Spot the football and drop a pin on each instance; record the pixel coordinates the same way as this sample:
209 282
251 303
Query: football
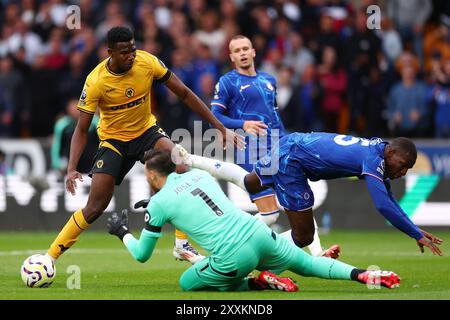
38 271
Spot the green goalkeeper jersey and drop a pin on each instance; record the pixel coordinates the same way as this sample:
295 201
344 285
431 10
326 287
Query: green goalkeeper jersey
194 203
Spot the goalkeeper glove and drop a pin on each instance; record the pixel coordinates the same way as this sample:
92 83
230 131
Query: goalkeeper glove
118 226
141 204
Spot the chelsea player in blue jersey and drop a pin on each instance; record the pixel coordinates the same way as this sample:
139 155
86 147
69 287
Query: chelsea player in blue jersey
316 156
245 98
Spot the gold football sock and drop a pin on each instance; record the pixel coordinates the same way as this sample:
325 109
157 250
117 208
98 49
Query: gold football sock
68 235
180 238
180 235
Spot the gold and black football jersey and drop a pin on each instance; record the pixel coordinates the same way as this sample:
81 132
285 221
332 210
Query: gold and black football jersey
123 100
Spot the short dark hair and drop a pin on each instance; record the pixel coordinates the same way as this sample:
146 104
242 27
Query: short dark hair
406 146
239 36
159 160
118 34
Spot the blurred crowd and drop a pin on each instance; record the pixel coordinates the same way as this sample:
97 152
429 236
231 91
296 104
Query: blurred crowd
334 72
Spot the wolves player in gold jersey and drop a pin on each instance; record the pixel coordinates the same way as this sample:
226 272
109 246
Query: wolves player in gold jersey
120 88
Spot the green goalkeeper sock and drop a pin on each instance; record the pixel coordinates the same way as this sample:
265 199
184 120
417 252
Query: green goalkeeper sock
321 267
331 268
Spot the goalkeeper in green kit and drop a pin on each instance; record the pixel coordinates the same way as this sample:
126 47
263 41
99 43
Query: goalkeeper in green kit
238 243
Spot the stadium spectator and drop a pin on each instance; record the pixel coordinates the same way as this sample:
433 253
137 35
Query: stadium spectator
62 136
43 22
10 91
437 43
406 58
90 10
333 80
44 98
281 38
230 28
56 57
409 17
209 33
327 37
273 61
339 10
297 56
114 16
285 90
162 14
85 42
264 24
154 38
72 80
58 10
439 94
310 95
288 99
179 26
207 82
374 113
362 50
310 15
260 45
28 11
229 11
11 15
204 62
406 105
23 37
30 29
391 42
195 11
175 115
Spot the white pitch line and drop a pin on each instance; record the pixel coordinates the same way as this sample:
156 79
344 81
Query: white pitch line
73 251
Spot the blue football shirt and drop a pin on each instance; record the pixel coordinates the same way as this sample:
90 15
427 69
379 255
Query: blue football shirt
316 156
239 98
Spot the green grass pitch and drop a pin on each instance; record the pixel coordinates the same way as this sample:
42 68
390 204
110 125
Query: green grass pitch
109 272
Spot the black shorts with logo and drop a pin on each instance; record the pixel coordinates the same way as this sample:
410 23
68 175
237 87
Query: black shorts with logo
118 165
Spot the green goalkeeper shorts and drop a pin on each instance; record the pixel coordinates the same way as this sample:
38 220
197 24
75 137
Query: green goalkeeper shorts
264 250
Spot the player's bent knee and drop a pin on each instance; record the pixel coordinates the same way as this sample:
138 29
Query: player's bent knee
183 285
303 240
252 183
92 216
190 281
308 240
268 219
186 283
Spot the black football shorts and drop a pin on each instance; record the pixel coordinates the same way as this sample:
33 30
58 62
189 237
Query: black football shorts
119 162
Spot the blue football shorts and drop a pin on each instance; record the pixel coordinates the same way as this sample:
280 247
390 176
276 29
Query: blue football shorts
283 172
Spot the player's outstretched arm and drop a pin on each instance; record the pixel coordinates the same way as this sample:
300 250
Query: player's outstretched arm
197 105
141 249
77 146
389 208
